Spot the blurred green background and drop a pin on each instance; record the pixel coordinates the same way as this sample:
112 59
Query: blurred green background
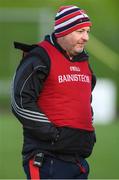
28 21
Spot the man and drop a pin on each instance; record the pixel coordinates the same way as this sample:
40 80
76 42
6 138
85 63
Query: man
52 99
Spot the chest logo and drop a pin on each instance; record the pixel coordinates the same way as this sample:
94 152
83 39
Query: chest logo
74 68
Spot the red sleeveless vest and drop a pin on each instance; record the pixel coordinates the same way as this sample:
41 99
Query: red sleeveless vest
65 97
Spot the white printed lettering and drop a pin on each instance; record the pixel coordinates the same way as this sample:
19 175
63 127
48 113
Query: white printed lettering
74 68
73 77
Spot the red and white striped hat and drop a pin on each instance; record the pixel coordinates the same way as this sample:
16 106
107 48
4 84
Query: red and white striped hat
69 19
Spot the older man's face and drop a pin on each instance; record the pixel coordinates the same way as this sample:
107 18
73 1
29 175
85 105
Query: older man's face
75 42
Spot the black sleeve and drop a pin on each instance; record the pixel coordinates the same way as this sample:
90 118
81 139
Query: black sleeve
93 81
27 84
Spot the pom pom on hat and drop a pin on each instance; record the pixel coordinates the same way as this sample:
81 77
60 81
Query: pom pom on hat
69 19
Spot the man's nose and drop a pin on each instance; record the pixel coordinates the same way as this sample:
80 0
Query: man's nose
85 36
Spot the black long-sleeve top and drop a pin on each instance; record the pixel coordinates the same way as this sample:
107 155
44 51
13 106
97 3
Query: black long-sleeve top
39 133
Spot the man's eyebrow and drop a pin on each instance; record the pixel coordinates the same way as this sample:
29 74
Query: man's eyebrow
82 29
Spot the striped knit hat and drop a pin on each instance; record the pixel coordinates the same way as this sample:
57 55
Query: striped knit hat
69 19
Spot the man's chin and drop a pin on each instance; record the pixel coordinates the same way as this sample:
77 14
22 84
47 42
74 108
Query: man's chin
80 50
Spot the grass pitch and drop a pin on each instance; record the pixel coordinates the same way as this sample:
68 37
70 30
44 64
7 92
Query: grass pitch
104 161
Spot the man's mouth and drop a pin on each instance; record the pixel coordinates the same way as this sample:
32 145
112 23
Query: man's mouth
81 44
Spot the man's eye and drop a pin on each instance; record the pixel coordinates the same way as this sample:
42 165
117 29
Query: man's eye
80 31
88 31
